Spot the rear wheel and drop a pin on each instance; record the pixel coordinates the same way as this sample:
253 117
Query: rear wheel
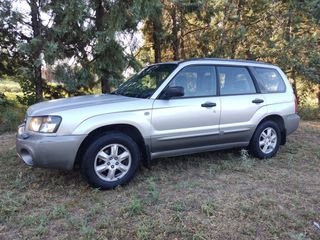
266 140
110 161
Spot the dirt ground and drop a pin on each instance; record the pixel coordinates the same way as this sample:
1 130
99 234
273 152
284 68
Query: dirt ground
218 195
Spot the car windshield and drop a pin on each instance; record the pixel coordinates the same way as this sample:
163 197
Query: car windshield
146 82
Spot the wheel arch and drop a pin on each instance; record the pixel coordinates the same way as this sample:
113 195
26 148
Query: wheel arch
127 129
278 119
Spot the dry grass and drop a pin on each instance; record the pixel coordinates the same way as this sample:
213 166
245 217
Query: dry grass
219 195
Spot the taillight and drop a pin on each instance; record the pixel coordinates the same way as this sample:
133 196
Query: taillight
295 104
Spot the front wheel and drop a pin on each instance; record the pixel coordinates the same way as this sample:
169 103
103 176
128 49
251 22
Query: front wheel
111 160
266 140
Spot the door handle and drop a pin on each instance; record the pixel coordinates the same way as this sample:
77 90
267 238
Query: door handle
257 101
208 104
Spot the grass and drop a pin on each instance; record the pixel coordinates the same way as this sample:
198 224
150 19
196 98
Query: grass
218 195
208 207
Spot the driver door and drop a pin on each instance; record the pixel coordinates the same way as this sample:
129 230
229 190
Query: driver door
190 121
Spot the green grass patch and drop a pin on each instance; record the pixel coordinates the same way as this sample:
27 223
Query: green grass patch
208 207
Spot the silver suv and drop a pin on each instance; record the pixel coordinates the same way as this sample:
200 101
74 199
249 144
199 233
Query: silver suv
165 110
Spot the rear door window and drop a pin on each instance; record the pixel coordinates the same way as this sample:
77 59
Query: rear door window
270 80
235 80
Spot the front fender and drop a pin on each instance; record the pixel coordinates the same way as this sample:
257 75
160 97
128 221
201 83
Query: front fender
138 119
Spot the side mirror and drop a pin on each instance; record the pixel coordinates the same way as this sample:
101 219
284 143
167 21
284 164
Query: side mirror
171 92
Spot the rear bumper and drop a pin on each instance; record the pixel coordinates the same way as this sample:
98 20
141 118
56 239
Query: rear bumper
291 123
48 151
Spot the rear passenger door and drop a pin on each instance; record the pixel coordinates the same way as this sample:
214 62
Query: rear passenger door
241 103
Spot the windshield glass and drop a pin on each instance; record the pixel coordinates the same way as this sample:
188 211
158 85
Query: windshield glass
146 82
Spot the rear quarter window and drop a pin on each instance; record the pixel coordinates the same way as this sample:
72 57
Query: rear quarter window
270 80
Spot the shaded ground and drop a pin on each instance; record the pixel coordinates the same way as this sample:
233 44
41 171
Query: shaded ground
219 195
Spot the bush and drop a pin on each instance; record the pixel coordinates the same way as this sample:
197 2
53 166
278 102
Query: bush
10 118
309 112
11 114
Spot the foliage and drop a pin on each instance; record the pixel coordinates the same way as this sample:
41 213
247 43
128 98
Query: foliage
285 33
95 27
82 43
9 37
11 114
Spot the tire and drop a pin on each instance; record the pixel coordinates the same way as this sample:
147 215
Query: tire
110 161
266 140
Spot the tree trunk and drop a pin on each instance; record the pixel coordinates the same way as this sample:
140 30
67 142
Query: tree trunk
236 25
100 12
36 28
105 86
157 29
294 84
182 27
175 40
288 30
318 95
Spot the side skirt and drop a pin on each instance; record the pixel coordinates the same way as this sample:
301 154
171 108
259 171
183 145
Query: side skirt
187 151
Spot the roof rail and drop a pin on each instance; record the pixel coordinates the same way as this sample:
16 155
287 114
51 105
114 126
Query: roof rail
224 59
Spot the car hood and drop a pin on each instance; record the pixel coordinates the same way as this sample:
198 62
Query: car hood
65 104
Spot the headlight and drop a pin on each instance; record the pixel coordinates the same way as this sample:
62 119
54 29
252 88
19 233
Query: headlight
46 124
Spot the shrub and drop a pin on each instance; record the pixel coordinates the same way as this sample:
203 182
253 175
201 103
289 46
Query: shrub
10 118
11 114
309 112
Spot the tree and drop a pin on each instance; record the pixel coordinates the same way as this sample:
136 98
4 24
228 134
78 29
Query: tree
88 31
78 39
9 38
36 25
281 32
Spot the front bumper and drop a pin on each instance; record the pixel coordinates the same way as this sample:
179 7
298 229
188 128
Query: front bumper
291 123
48 151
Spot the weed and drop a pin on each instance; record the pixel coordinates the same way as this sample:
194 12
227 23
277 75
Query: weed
178 206
246 209
135 207
95 209
199 235
208 207
298 236
246 160
142 232
59 211
309 214
274 230
213 169
41 230
29 220
104 222
87 231
177 217
187 185
226 165
153 193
